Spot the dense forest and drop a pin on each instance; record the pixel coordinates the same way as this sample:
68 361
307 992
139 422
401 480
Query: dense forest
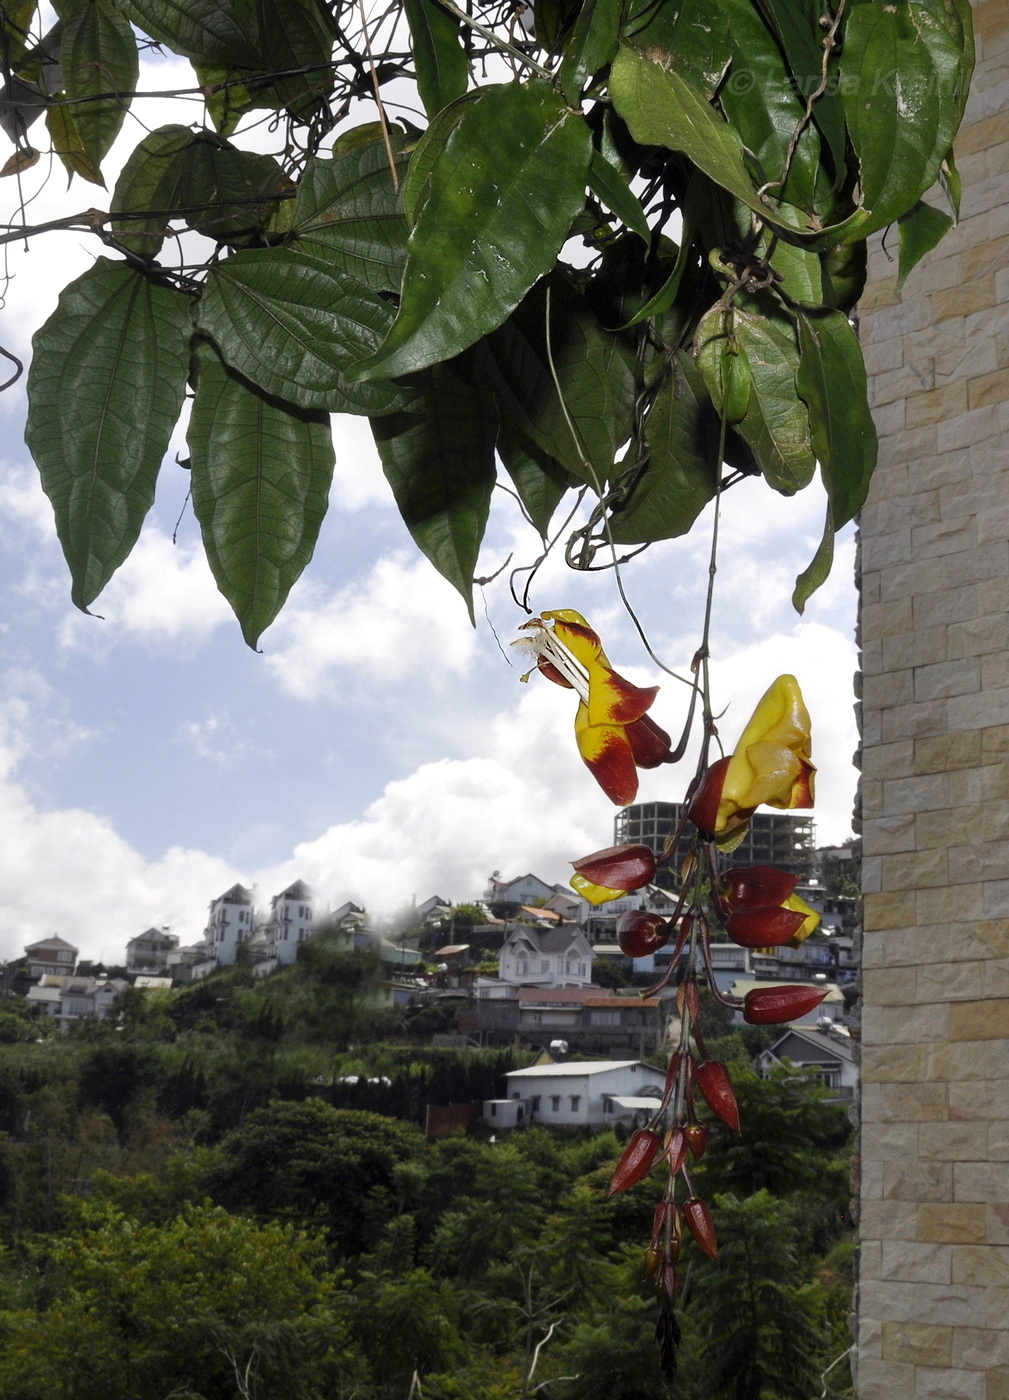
225 1191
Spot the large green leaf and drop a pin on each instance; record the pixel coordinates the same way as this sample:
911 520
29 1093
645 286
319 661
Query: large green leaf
661 108
760 99
502 196
610 186
441 61
579 409
691 36
98 54
69 145
15 31
902 74
776 423
539 480
292 35
801 36
207 31
919 232
427 150
261 472
439 460
197 176
817 571
831 380
293 324
349 211
106 384
680 475
592 44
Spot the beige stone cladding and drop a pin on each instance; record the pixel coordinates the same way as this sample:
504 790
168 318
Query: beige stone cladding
934 1231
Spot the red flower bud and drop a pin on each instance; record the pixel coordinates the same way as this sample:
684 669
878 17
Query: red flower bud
697 1139
676 1150
698 1218
650 745
763 928
758 886
635 1160
703 809
767 1006
639 933
618 867
667 1282
713 1082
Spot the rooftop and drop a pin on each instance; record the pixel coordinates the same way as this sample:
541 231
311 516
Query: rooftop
579 1067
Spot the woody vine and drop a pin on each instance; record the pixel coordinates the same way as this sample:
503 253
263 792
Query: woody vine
401 253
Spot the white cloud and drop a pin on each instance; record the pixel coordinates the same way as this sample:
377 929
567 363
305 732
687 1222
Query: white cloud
163 597
402 620
218 739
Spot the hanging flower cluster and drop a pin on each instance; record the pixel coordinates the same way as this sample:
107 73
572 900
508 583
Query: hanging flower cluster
756 907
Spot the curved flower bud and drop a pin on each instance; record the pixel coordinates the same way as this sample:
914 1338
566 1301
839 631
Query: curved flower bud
714 1083
639 934
625 867
701 1226
758 886
771 765
763 928
770 1006
635 1160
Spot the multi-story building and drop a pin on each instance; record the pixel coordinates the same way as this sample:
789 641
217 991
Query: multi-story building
51 955
148 952
551 957
290 922
229 924
773 838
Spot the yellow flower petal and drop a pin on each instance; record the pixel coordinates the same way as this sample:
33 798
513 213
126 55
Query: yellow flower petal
595 894
812 919
771 765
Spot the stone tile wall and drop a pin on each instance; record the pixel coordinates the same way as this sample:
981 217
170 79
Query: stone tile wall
934 1273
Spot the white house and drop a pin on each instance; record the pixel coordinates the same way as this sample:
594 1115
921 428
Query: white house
53 955
577 1094
229 923
76 997
522 890
546 957
290 922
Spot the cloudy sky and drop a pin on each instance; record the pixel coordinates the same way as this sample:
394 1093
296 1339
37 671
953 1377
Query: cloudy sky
378 747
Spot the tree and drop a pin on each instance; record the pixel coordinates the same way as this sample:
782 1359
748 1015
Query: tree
722 163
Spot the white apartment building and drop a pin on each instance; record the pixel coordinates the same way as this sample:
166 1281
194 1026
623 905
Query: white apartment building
229 923
290 922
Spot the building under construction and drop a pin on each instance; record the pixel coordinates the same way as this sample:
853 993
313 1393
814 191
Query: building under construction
773 838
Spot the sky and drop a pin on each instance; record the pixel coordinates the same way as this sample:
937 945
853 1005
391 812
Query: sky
377 746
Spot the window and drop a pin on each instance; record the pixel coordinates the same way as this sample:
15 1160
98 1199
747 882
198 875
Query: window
545 965
575 1102
493 1110
516 1094
536 1103
555 1102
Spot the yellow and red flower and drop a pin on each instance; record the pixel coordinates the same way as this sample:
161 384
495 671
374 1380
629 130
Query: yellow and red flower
615 735
771 765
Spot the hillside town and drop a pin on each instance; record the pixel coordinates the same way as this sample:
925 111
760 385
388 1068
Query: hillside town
526 963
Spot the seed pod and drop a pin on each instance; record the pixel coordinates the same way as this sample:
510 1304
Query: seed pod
625 867
676 1150
714 1083
635 1161
768 1006
701 1226
763 928
697 1139
703 809
756 886
639 934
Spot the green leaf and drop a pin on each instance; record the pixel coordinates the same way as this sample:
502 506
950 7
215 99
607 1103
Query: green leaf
539 480
662 109
439 460
801 271
818 569
691 36
776 424
106 384
680 475
98 54
759 98
592 44
902 74
611 188
441 61
428 149
293 324
349 212
843 271
293 34
801 37
207 31
952 185
69 146
15 31
220 191
919 232
227 98
831 381
261 472
594 389
503 192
